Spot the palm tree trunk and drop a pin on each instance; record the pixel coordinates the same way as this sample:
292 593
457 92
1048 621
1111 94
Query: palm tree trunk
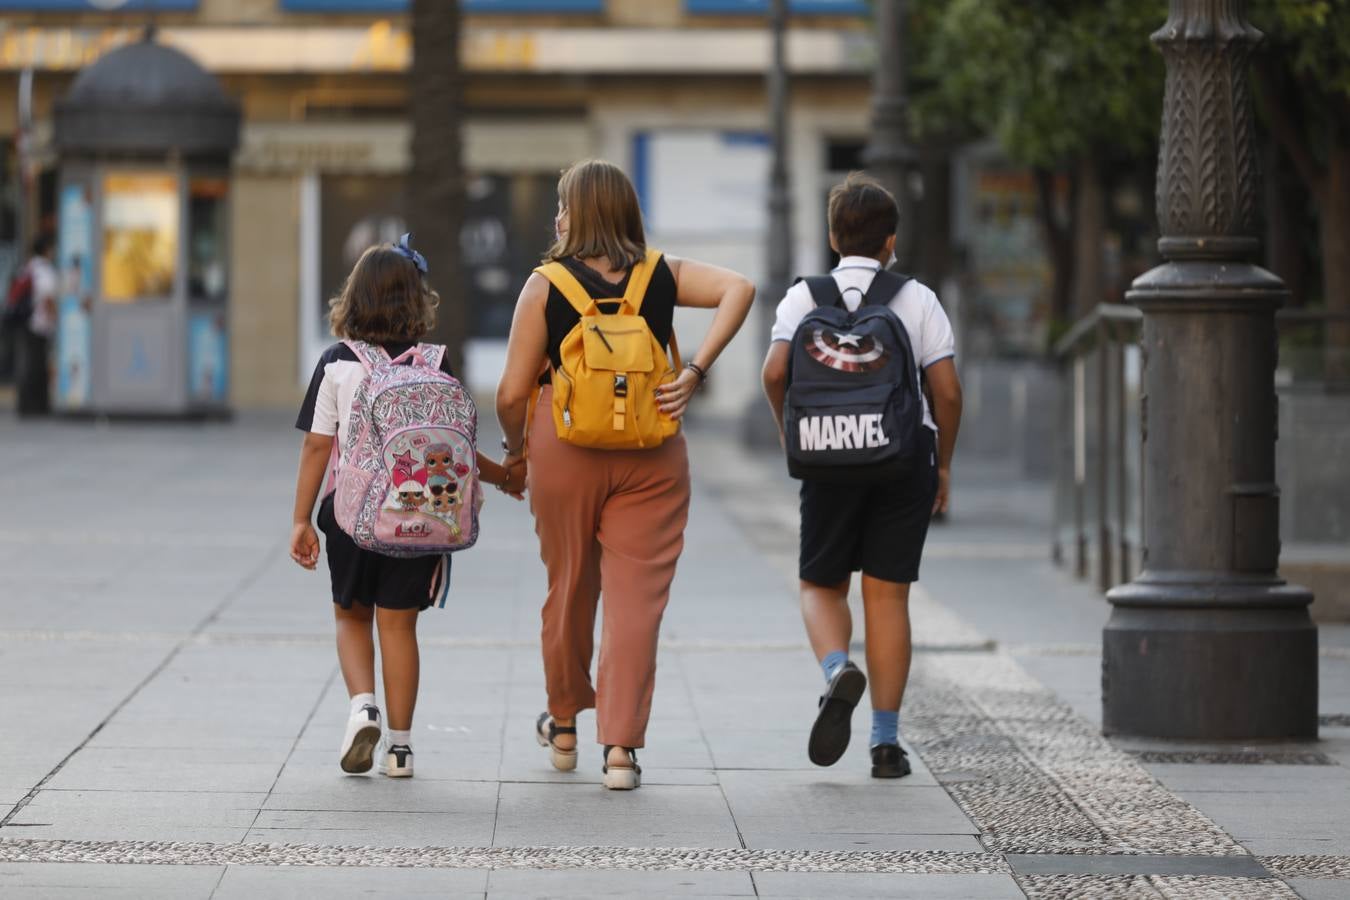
436 181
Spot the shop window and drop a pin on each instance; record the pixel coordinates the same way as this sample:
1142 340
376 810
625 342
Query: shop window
140 236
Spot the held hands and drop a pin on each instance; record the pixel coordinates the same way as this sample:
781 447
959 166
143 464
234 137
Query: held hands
304 545
516 470
673 398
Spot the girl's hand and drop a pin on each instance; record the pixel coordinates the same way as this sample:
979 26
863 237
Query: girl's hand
514 485
673 398
304 545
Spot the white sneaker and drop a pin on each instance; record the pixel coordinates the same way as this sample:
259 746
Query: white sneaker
358 744
396 760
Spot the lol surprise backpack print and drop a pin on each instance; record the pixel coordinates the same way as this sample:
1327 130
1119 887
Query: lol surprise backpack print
407 483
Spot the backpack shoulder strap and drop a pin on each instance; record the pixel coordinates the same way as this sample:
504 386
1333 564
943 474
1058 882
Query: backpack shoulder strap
640 279
433 354
824 290
370 355
884 287
567 285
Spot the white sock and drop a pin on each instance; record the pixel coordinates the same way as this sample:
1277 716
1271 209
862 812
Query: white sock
359 701
400 738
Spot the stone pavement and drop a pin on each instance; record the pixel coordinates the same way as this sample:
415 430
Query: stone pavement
175 709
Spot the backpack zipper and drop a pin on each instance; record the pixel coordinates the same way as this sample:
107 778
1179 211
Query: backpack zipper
567 403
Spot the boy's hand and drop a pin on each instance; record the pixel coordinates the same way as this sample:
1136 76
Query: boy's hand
944 485
304 545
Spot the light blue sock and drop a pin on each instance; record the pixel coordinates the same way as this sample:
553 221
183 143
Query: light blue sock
832 661
885 727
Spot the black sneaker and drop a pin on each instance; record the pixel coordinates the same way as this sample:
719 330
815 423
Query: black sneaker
834 721
889 761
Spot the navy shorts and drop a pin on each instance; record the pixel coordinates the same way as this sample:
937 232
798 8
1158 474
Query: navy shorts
878 529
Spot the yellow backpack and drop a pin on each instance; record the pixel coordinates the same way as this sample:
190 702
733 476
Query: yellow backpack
604 393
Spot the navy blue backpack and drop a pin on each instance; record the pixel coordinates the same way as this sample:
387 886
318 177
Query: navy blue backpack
854 408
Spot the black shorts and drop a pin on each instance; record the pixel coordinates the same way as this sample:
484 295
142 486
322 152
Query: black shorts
876 528
361 576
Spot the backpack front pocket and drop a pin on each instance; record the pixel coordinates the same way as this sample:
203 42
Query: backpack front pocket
832 427
617 344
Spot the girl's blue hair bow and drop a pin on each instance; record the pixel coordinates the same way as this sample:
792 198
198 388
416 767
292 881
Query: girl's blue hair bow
404 248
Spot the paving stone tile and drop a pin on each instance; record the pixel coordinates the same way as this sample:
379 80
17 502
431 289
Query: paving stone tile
343 882
1304 815
374 829
801 804
49 881
390 795
859 885
653 816
1320 888
1254 779
105 769
757 838
524 884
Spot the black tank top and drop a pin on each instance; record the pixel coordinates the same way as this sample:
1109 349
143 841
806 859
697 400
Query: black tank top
658 308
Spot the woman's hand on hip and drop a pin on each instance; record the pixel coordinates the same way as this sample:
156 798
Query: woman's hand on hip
673 398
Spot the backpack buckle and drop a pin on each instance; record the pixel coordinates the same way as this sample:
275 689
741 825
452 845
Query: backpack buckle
620 385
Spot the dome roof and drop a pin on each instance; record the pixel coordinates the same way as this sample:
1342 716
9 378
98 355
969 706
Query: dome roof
150 98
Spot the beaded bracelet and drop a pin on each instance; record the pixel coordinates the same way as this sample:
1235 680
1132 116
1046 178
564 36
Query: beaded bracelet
697 370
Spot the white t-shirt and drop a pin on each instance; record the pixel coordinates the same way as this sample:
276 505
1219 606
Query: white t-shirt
327 407
930 332
45 285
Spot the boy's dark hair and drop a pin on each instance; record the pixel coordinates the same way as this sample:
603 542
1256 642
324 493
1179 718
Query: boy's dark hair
863 214
42 245
385 300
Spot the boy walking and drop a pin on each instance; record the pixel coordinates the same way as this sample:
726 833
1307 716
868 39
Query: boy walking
874 455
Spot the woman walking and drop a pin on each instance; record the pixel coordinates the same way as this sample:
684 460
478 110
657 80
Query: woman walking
608 469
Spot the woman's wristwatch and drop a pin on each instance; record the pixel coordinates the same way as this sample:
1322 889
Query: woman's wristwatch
506 448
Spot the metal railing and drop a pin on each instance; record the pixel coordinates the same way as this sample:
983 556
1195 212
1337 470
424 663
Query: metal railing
1096 474
1099 474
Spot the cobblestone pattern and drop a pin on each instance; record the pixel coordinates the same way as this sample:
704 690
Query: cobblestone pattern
928 862
1034 776
1234 757
1309 867
1152 887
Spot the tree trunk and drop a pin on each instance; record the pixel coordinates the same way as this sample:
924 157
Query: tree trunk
1089 238
1286 214
1058 237
436 181
1335 226
935 216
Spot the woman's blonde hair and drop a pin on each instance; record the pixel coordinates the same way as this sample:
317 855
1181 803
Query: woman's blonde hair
604 217
385 300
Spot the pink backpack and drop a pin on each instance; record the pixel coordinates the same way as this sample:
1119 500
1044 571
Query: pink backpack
407 480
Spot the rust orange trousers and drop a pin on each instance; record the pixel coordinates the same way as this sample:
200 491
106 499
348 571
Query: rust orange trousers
611 527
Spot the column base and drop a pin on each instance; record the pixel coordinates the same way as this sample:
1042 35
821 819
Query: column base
1210 661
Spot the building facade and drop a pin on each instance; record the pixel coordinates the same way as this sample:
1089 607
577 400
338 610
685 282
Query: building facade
673 90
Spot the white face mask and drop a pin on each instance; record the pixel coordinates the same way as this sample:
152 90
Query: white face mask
892 261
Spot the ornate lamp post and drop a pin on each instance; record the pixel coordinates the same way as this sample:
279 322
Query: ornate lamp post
888 155
780 200
1209 642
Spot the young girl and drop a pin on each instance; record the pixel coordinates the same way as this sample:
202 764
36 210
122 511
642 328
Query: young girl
386 301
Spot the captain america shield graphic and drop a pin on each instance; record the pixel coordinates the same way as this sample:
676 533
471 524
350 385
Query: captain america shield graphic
846 352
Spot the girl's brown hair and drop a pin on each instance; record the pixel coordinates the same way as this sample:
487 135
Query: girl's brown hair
604 218
385 300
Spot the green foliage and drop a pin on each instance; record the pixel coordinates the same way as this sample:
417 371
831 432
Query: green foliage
1051 80
1311 38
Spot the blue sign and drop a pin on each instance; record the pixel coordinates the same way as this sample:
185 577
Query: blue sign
761 7
473 6
100 5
